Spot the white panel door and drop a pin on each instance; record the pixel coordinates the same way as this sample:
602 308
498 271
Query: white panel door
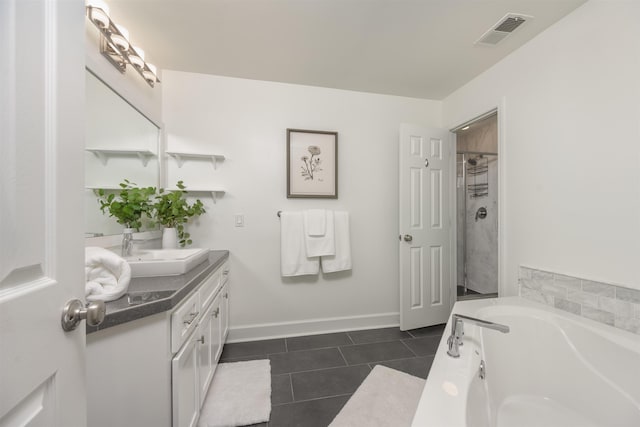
425 226
42 379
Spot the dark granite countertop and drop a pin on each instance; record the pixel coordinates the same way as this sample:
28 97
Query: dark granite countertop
151 295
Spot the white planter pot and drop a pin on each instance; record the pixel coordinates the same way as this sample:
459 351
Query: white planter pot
169 238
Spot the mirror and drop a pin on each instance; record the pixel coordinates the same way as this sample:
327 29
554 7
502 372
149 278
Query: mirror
120 142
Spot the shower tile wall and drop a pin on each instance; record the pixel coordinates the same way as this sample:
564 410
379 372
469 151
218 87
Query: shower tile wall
481 235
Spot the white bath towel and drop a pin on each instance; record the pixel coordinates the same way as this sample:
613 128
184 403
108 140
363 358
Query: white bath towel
107 275
342 258
315 222
317 244
293 255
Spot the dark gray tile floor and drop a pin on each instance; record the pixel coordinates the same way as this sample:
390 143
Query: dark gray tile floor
312 377
462 292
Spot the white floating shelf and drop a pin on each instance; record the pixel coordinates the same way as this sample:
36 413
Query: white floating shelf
181 157
215 192
104 153
104 187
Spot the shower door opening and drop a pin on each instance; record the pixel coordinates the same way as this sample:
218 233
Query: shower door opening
477 224
477 209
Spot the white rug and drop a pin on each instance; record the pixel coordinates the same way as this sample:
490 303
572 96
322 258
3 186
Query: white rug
240 394
386 398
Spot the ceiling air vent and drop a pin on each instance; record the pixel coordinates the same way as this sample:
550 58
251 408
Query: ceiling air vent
505 26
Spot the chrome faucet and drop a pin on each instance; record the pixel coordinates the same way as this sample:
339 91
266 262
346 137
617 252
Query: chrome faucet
457 331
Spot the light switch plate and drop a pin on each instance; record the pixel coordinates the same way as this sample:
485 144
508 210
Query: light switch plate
239 220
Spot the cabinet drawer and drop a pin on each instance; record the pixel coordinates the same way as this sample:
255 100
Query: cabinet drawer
184 320
209 288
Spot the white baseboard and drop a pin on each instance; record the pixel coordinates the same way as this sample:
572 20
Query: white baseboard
312 327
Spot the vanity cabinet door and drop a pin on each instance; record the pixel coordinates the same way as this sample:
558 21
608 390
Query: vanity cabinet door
206 342
224 315
216 340
185 388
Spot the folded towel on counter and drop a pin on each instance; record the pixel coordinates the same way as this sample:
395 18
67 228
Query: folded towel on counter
107 275
293 254
319 236
342 258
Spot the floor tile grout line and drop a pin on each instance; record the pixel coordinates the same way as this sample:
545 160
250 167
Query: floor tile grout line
293 395
412 352
397 360
329 367
315 398
342 355
375 342
317 348
350 339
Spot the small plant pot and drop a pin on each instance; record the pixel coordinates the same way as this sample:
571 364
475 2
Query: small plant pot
169 238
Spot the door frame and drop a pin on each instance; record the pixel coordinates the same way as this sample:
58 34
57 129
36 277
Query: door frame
500 110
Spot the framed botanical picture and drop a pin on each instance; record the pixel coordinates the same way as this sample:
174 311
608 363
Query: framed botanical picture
312 164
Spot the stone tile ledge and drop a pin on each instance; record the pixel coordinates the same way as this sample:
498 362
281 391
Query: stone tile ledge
614 305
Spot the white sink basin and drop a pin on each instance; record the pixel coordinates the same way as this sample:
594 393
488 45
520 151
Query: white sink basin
165 262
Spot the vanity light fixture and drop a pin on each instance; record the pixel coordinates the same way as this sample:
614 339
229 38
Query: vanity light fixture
137 57
115 44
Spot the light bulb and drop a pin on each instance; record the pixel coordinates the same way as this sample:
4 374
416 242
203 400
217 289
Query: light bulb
136 57
122 42
99 13
150 76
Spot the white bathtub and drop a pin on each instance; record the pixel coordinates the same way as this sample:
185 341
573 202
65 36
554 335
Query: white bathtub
552 369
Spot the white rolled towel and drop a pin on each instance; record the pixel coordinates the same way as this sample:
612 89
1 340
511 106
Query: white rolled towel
107 275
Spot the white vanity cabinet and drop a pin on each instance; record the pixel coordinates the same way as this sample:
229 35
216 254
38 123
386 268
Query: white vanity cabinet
194 364
156 370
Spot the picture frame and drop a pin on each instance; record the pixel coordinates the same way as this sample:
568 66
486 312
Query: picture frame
312 164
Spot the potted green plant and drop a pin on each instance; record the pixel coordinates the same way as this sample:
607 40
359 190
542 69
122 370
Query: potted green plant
172 211
128 207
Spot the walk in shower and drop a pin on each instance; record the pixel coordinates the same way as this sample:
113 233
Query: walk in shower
477 209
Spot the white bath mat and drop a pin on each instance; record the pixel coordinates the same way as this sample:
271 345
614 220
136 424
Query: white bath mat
240 394
386 398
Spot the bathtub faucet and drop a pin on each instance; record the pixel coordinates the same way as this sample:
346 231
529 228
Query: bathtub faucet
457 331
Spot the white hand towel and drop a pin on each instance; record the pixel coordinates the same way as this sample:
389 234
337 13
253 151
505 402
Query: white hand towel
316 244
342 258
293 256
107 275
315 222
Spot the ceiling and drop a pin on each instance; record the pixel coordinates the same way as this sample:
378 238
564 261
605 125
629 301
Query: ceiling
415 48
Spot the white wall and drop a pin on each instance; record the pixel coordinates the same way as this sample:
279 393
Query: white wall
571 133
246 121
